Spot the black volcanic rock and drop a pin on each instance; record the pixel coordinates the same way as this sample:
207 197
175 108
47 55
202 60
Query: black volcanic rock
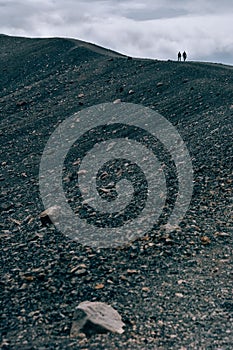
172 291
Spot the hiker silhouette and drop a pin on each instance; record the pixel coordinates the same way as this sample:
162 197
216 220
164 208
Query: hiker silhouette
179 56
184 56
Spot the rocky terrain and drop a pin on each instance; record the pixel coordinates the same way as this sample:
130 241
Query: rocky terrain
173 291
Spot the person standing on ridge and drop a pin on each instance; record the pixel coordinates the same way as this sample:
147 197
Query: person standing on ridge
184 56
179 56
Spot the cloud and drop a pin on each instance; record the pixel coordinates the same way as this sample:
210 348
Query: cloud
142 28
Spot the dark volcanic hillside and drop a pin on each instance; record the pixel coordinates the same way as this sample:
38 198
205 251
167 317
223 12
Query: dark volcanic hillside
173 292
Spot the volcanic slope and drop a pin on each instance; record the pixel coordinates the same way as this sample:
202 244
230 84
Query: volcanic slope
173 291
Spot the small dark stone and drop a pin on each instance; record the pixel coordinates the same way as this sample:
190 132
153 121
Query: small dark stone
6 206
21 103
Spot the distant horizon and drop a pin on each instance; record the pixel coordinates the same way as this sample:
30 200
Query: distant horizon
138 28
119 52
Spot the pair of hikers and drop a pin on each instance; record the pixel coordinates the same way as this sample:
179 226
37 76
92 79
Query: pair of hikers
184 56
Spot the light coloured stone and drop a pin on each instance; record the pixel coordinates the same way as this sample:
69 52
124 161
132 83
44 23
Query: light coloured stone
50 215
117 101
99 314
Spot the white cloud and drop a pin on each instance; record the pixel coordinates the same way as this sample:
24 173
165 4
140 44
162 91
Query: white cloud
143 28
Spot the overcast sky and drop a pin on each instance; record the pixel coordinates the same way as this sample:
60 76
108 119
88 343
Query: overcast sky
142 28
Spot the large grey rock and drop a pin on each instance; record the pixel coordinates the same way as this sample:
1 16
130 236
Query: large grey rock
50 215
99 314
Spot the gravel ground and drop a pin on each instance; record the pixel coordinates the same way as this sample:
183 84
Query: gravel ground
173 291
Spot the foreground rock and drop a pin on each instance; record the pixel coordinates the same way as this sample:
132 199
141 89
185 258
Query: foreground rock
50 215
100 315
